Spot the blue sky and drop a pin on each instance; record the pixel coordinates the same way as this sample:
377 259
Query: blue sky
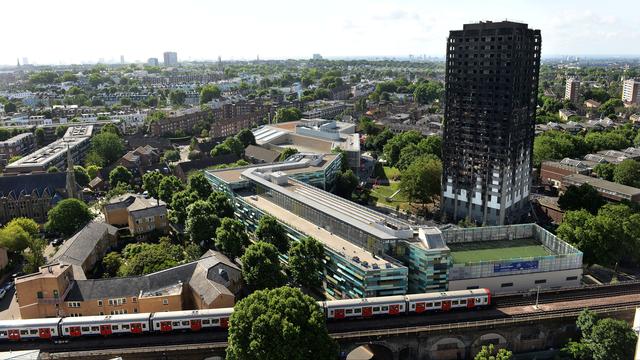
66 31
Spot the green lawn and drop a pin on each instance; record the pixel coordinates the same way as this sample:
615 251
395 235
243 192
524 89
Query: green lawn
391 173
381 193
496 250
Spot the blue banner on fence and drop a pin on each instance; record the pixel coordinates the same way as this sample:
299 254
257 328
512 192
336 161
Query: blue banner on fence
516 265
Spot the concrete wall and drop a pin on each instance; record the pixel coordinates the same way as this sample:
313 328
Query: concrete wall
521 282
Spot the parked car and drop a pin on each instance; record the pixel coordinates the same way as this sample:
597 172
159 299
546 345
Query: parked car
57 242
8 286
3 292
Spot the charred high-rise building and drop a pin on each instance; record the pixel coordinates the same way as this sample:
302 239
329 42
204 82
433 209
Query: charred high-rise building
491 90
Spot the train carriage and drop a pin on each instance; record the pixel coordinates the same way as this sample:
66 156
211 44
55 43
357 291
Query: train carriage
367 307
105 325
448 300
17 330
191 319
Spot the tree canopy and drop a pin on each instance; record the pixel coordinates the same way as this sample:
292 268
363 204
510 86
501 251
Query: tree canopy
108 146
200 185
270 231
151 183
201 223
287 114
420 182
209 92
119 175
627 173
169 185
68 216
261 267
246 137
305 263
490 353
584 196
231 237
288 151
222 206
280 323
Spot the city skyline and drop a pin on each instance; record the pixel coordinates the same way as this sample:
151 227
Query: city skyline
356 29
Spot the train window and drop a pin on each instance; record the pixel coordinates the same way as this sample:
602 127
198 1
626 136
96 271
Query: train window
206 322
85 328
478 300
3 333
375 308
437 304
454 302
215 321
540 281
176 323
429 305
24 332
114 327
413 306
331 312
185 323
95 328
66 330
125 327
385 308
33 332
349 311
463 302
357 311
144 326
506 284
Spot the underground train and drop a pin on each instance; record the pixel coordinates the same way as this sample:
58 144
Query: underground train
195 320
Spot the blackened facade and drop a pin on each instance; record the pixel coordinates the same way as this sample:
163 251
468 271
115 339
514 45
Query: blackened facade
491 90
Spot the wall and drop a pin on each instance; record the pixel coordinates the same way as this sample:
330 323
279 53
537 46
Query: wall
521 282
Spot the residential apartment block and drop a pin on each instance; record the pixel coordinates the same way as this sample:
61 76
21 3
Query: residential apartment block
631 91
138 213
572 90
19 145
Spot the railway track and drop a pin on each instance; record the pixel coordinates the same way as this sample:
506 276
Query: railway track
582 293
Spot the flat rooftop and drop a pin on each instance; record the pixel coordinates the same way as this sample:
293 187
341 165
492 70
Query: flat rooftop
46 154
494 250
579 179
332 241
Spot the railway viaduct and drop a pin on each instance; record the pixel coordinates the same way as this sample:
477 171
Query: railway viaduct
463 340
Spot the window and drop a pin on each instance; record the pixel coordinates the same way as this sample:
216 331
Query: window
206 322
125 327
165 301
540 281
95 328
506 285
429 305
454 302
33 332
85 328
385 308
463 302
144 326
55 294
376 308
215 321
472 287
185 323
135 310
73 304
349 311
114 327
99 302
3 333
101 313
437 304
39 295
134 299
571 278
176 323
357 311
24 332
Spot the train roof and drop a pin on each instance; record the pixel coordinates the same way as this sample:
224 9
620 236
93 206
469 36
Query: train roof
105 319
364 301
447 294
186 314
12 324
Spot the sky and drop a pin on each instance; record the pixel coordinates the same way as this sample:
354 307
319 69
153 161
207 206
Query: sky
74 31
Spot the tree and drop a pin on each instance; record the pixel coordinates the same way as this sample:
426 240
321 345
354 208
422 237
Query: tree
28 225
209 92
305 263
119 174
34 255
201 223
14 238
93 171
609 107
261 267
427 92
171 155
605 171
177 97
108 146
179 203
288 151
346 184
145 258
199 184
81 175
420 182
169 185
222 206
287 114
151 183
584 196
612 340
246 137
556 145
281 323
93 159
627 173
111 263
231 237
490 353
110 128
14 158
68 216
39 134
60 131
10 107
270 231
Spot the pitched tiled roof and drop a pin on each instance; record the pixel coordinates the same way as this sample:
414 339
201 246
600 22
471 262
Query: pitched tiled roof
78 248
29 183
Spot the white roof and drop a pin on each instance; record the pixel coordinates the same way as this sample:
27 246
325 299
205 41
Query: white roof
12 324
187 314
378 301
82 320
447 294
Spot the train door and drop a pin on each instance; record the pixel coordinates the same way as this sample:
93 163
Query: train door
105 330
367 311
420 307
44 333
224 322
13 334
75 331
136 328
446 305
338 314
165 326
471 303
196 324
394 309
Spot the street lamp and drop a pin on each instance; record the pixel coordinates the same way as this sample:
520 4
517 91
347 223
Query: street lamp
537 297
